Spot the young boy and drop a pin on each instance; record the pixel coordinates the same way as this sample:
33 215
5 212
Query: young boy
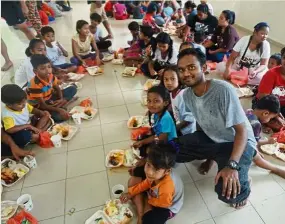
134 28
55 52
16 116
199 38
149 20
164 188
138 12
103 43
274 61
43 90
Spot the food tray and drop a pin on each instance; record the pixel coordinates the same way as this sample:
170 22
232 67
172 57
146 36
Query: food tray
77 84
269 149
118 61
75 76
107 58
79 109
94 70
244 92
139 121
150 83
108 164
134 154
97 215
129 72
280 152
4 205
72 131
14 167
122 209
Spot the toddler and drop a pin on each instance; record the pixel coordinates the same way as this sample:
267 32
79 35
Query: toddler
274 61
134 28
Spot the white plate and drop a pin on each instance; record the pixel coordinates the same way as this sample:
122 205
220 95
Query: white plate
139 120
77 84
129 72
16 166
244 92
72 131
133 157
269 149
75 76
97 215
5 204
84 116
94 70
107 58
118 61
280 153
107 163
150 83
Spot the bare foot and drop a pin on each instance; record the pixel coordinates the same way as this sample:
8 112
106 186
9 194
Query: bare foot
6 66
205 166
279 172
240 205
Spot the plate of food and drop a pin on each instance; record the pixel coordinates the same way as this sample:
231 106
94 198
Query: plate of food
8 209
131 157
280 152
135 122
244 92
12 172
117 212
65 130
108 57
150 83
115 158
117 61
269 149
87 113
144 100
98 217
129 72
95 70
75 76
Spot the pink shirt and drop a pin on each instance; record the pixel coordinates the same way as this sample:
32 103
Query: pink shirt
119 9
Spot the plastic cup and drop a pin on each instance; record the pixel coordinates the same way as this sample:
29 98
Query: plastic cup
30 161
56 140
117 190
26 201
76 118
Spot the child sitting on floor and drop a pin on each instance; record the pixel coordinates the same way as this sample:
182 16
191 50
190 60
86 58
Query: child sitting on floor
81 45
149 20
109 8
16 116
185 121
274 61
43 90
199 38
180 20
103 43
138 12
185 45
134 28
164 188
55 52
120 11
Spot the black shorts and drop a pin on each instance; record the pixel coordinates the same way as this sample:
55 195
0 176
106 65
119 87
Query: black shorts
5 150
157 216
11 11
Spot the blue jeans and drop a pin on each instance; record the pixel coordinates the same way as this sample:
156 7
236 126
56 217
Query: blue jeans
198 146
68 94
218 57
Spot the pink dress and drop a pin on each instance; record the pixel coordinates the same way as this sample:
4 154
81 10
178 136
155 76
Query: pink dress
120 11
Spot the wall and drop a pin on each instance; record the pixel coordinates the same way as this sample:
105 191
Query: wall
249 13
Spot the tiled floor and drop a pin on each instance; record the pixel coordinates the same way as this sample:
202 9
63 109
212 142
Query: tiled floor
74 176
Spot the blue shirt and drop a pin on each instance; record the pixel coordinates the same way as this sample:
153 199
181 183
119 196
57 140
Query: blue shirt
164 125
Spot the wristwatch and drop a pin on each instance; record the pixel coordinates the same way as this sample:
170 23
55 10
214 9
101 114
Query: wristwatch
233 165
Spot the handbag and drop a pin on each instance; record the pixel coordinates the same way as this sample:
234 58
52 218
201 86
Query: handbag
239 78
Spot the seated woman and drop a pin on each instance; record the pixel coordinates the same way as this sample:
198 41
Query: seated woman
224 38
163 54
252 52
273 82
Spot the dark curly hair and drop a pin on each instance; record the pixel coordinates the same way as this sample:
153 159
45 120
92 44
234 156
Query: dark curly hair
164 38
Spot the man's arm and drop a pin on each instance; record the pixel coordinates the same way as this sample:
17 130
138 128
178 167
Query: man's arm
240 142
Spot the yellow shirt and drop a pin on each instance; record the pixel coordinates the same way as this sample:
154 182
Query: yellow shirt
11 118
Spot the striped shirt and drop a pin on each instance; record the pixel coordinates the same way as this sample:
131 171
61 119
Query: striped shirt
39 88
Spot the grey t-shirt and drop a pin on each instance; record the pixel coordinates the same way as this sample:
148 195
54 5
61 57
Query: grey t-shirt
218 111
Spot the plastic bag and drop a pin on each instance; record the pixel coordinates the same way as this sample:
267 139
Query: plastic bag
44 140
212 65
20 218
280 135
136 133
239 78
86 103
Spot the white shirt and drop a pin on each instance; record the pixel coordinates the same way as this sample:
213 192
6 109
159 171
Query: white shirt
98 34
172 60
24 73
211 9
55 55
180 113
252 57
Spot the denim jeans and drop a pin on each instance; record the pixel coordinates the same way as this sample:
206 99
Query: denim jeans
198 146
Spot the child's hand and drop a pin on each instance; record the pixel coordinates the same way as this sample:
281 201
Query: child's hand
148 50
34 129
125 197
45 113
272 140
267 130
160 72
64 114
138 144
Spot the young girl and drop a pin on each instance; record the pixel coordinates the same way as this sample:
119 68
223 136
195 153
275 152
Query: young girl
26 71
135 54
162 55
149 20
120 11
163 186
185 121
81 45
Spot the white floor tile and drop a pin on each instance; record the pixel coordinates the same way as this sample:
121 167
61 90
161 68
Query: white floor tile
245 215
193 169
87 191
115 132
110 100
133 96
10 195
210 221
85 161
57 220
52 167
117 145
183 172
48 199
17 186
107 114
80 216
136 109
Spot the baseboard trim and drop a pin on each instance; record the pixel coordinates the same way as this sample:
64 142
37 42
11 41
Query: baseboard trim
276 43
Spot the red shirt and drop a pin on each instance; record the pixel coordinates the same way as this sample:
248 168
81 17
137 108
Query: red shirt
273 83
